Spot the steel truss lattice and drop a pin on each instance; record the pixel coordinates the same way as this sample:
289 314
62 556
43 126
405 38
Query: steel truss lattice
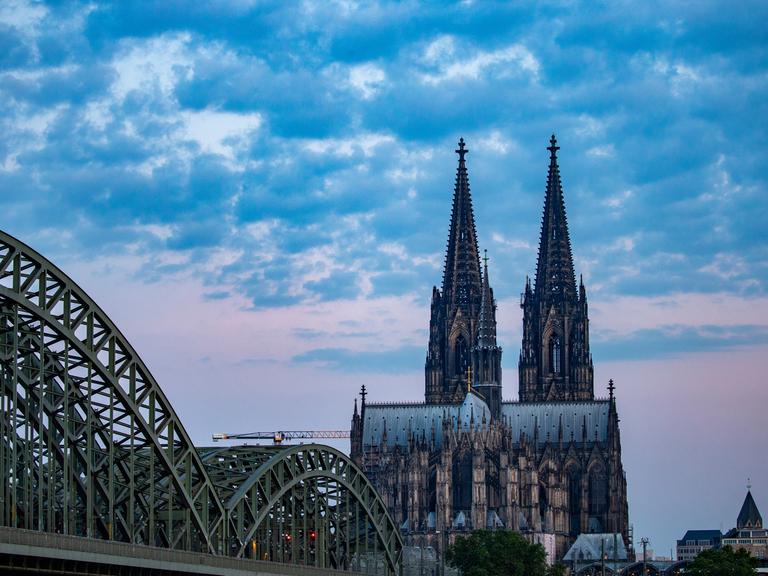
90 446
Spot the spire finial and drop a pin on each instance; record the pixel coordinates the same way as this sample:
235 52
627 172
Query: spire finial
749 484
461 150
485 258
363 394
553 147
611 388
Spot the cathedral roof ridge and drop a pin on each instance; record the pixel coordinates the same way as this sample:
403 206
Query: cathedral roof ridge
405 404
555 402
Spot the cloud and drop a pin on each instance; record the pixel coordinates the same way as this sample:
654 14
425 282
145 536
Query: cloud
286 172
305 163
441 54
386 361
220 132
606 151
726 266
368 79
627 314
674 341
22 15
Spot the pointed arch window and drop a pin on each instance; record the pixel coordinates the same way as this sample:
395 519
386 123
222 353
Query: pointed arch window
598 492
460 356
574 500
555 355
543 505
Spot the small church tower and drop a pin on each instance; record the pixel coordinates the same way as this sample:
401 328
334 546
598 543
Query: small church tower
749 515
555 362
486 357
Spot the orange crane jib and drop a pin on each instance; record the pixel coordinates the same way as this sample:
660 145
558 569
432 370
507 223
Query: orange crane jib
281 436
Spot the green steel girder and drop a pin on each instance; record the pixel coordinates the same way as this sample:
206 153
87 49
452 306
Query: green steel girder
122 394
250 504
90 446
56 430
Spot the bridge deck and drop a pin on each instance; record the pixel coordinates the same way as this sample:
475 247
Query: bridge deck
44 553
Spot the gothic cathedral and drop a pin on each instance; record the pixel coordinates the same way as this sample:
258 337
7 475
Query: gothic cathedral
548 465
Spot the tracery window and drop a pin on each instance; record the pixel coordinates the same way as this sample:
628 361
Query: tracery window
574 500
462 482
598 492
554 354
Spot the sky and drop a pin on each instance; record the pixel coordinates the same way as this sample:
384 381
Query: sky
258 194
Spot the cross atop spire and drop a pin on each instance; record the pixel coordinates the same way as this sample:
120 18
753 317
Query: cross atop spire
461 150
553 147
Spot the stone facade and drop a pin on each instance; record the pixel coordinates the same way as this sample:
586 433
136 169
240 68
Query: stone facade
549 463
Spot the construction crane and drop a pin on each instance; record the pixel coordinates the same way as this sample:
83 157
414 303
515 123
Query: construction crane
281 436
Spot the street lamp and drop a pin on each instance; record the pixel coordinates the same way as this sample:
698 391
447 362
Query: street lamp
644 541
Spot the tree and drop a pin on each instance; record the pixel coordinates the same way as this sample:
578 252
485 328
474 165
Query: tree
497 553
556 570
723 562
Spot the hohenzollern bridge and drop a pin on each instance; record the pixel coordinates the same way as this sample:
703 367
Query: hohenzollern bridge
100 476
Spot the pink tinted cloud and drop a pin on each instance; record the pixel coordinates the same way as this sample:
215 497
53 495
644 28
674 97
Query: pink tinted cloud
692 427
628 314
693 430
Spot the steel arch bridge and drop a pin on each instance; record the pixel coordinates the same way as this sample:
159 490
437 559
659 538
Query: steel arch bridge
91 446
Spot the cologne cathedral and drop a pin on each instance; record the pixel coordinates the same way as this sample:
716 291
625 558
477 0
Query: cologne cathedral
548 464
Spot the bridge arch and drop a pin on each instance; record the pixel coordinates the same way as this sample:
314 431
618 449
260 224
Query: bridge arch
91 446
91 421
307 504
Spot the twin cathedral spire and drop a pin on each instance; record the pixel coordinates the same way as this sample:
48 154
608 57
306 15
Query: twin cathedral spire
555 363
464 304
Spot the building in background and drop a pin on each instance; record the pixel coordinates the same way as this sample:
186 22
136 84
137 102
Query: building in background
749 533
549 463
696 541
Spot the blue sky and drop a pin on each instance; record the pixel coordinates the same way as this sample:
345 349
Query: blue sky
258 194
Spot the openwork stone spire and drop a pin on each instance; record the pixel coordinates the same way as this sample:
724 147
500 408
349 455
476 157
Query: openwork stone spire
555 362
461 277
486 358
486 333
455 311
555 279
